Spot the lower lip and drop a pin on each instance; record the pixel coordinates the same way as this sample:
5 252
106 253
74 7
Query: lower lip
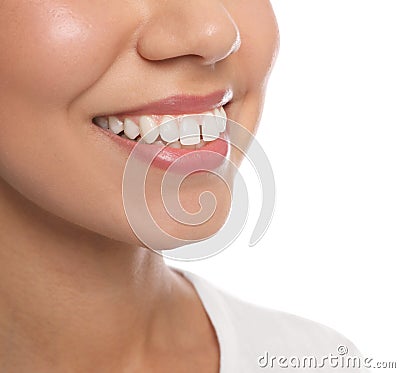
208 157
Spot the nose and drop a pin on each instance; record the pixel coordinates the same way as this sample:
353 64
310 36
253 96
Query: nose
177 28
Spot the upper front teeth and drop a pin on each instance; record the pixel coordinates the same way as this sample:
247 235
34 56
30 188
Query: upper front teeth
169 129
187 128
212 127
189 131
148 129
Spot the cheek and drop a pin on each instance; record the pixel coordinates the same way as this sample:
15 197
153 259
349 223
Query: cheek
260 41
55 51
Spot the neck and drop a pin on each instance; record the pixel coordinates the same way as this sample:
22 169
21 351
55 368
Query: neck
71 297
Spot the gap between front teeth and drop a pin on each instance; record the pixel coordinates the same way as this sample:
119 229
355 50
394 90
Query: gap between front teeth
175 131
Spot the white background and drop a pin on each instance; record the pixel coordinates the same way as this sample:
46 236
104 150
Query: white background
331 129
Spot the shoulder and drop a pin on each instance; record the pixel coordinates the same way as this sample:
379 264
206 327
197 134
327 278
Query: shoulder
262 333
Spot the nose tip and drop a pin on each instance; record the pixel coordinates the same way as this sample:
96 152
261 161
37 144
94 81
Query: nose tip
198 28
219 41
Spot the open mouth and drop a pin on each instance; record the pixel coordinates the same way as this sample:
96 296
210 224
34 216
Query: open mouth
188 131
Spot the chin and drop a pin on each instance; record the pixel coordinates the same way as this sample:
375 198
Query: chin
196 218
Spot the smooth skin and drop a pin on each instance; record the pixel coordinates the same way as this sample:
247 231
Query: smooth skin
78 293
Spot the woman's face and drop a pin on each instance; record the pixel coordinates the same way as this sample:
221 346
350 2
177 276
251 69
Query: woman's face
65 62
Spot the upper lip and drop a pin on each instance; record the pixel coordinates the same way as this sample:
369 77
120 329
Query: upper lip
181 104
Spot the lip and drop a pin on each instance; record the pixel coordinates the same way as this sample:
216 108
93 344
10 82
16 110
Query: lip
178 105
208 157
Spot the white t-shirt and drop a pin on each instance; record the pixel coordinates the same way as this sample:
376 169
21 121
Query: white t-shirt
257 339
